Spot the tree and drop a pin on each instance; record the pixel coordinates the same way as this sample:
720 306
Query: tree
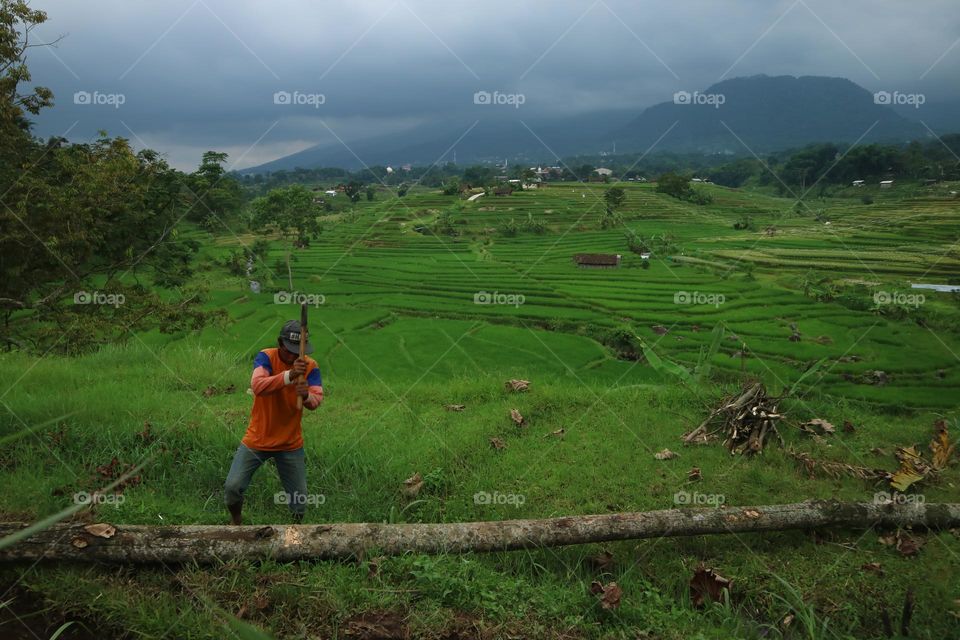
402 189
674 185
451 187
289 210
212 195
371 193
615 197
80 223
352 190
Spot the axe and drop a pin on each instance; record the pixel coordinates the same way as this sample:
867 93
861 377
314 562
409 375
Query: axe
303 345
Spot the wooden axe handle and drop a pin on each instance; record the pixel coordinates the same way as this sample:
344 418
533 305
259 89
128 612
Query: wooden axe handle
303 345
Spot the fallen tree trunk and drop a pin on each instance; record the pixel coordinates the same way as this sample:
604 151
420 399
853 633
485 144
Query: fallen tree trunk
212 543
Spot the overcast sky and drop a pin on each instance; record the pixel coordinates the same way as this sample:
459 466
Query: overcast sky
194 75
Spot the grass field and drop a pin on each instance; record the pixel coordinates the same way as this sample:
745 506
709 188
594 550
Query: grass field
400 334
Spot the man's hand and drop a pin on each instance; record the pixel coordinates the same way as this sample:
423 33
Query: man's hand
303 390
299 369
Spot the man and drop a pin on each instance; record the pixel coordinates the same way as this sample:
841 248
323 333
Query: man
279 378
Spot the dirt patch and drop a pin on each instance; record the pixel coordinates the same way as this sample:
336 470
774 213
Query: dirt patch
376 625
24 615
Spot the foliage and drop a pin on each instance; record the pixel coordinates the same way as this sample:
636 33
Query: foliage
288 210
212 196
451 187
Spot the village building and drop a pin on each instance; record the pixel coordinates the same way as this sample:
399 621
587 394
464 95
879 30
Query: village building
597 260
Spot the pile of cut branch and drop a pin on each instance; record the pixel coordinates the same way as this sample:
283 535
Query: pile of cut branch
747 420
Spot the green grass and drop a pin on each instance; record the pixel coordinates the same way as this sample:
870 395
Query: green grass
400 336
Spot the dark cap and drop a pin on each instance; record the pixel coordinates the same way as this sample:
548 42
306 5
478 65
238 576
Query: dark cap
290 335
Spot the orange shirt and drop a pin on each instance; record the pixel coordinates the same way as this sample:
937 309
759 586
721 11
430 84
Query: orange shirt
275 419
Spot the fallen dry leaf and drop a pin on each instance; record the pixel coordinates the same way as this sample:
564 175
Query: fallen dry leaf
559 433
707 585
101 530
455 407
695 474
909 545
665 454
601 561
498 443
516 417
609 594
412 485
818 426
872 566
659 329
848 427
941 449
517 385
912 469
79 543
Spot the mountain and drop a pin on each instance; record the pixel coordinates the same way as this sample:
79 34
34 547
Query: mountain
756 114
941 117
767 113
516 137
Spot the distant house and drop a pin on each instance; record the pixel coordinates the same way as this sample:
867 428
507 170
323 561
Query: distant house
886 184
502 191
603 171
858 183
597 260
330 192
644 255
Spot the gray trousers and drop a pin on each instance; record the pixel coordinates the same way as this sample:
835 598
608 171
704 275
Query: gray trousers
291 467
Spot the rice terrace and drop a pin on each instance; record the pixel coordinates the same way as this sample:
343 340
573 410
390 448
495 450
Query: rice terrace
707 390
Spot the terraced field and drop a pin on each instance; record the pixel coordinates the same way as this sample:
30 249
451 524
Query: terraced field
382 280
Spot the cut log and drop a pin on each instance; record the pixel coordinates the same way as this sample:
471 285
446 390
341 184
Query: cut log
213 543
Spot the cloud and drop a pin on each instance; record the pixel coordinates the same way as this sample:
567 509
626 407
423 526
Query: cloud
199 74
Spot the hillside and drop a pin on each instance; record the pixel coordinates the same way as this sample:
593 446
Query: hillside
401 335
767 113
770 114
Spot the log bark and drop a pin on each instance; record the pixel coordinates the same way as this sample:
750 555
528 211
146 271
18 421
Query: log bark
214 543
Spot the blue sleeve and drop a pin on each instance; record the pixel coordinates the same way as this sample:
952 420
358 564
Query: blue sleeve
313 378
263 360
